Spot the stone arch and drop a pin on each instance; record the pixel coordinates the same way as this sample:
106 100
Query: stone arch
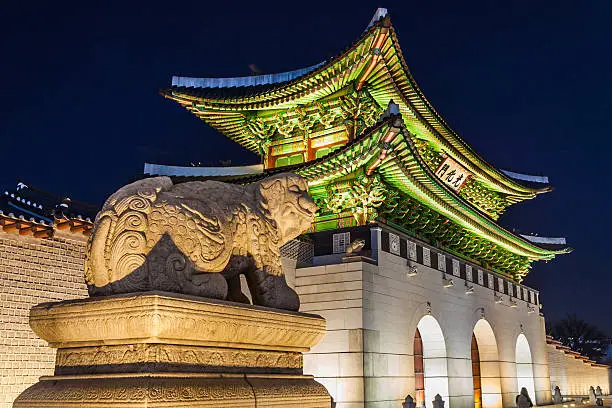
524 366
435 366
488 365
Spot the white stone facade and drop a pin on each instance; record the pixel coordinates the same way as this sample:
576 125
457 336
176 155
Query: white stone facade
373 310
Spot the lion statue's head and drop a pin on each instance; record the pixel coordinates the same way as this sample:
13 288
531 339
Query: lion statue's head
285 197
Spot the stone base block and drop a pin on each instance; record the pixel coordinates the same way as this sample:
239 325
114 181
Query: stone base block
163 390
162 350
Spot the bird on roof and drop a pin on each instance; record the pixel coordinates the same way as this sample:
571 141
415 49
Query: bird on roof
255 70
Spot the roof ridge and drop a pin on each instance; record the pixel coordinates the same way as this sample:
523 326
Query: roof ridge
21 185
284 77
242 81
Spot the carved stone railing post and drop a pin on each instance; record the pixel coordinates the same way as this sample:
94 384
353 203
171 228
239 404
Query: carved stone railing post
438 402
409 402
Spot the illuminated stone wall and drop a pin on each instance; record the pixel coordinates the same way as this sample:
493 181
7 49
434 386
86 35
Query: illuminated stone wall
572 375
373 311
336 292
33 271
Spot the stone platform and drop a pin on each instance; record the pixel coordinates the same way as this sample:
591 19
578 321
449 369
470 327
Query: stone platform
162 349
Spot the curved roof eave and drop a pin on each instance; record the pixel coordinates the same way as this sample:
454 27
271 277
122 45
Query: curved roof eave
243 81
492 176
278 88
451 134
481 218
396 120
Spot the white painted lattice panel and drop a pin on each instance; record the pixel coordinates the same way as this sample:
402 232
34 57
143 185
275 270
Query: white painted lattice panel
468 273
456 267
341 241
442 262
426 257
394 244
412 250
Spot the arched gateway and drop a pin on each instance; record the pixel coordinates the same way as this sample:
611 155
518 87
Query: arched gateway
485 367
524 366
430 365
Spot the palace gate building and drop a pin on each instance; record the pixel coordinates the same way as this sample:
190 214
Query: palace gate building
419 283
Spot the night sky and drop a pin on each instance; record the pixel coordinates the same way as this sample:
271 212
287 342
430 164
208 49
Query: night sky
527 83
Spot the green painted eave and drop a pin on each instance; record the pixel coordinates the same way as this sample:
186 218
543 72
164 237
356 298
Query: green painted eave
404 169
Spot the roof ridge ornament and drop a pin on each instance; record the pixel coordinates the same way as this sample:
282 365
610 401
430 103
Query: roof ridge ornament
380 13
526 177
545 240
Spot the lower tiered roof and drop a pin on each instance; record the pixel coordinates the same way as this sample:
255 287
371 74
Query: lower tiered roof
381 175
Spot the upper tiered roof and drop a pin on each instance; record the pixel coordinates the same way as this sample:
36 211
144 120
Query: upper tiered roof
374 62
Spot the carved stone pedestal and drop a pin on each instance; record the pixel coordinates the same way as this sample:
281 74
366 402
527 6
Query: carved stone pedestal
158 349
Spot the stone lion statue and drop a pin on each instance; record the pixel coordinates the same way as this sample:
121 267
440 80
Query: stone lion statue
198 237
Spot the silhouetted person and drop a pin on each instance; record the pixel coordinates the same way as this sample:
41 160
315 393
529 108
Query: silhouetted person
523 400
557 398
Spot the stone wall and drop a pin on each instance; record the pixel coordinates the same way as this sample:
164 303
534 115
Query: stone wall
339 362
573 375
33 271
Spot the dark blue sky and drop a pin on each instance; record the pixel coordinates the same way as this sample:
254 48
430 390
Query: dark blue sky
527 83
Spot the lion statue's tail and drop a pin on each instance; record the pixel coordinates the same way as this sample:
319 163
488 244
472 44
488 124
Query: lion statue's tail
117 245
